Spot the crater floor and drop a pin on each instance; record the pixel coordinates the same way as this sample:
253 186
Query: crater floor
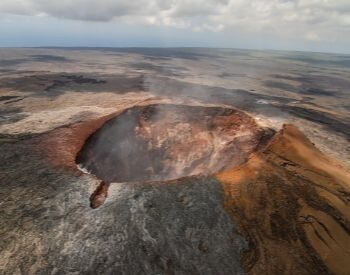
165 141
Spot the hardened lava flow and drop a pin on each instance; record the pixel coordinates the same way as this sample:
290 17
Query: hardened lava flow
165 142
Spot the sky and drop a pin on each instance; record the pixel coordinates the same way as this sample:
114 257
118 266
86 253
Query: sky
305 25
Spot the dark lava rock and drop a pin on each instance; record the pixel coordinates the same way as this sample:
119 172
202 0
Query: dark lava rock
48 227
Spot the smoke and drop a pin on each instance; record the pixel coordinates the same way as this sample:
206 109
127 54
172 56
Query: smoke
268 110
162 142
131 148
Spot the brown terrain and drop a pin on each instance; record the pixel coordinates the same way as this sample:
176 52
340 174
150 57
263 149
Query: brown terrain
292 203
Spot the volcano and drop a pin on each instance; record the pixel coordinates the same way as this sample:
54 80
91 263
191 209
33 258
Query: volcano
288 201
284 194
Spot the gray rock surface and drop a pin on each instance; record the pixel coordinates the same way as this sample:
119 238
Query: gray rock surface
48 227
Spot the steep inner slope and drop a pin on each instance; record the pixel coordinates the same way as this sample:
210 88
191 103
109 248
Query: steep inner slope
163 142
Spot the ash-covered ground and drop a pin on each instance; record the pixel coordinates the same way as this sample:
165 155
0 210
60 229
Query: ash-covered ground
53 99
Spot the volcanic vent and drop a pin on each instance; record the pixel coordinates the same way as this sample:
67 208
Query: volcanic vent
163 142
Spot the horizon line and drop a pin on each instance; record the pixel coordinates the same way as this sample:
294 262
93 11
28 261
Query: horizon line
170 47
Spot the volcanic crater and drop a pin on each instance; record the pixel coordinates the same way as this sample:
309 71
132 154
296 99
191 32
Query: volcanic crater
163 142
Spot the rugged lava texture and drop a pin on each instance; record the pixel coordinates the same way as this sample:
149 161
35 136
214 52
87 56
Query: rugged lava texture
162 142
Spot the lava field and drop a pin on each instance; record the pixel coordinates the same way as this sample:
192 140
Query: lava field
173 161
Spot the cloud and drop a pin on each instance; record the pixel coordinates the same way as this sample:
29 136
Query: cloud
311 20
312 36
89 10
